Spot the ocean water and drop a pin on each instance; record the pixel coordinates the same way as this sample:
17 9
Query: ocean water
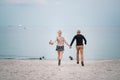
20 57
20 41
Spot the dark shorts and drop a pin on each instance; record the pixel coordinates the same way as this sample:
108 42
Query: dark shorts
59 48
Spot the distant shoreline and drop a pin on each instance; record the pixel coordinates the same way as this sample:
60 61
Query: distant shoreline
53 59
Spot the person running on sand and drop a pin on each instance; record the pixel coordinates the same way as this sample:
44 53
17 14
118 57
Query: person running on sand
79 46
60 45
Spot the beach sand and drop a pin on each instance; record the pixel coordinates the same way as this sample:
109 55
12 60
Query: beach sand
49 70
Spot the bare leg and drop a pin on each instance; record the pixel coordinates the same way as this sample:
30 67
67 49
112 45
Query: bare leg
59 57
61 53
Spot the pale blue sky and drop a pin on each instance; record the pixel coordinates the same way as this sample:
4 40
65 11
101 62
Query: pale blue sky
60 12
26 27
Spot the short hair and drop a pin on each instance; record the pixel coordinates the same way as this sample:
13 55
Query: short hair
60 31
78 31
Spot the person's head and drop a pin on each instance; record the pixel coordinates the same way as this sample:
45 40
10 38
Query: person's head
78 31
59 33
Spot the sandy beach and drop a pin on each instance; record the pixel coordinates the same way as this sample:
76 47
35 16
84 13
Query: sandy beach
11 69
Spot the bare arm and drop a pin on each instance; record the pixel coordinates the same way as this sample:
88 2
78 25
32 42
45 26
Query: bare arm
66 43
55 41
52 42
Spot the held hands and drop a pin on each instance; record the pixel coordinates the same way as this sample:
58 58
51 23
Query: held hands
70 47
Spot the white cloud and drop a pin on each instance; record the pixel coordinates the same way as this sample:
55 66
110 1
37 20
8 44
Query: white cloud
26 1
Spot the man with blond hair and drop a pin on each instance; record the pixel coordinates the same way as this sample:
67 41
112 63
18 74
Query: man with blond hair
79 46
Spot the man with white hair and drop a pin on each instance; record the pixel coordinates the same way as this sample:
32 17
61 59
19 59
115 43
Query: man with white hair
79 46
